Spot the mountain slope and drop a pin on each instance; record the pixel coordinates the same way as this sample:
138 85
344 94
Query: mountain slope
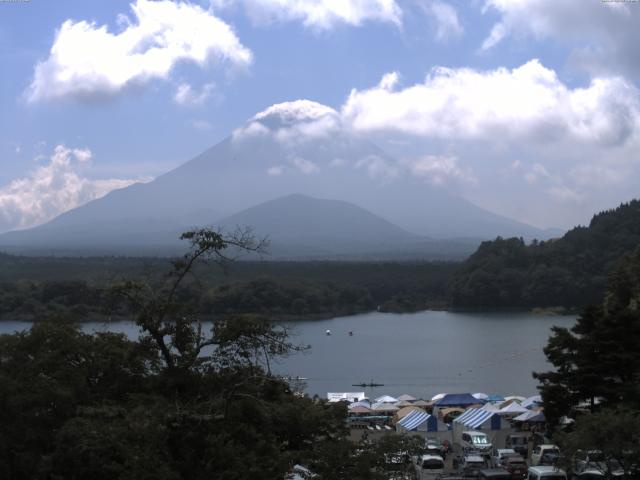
293 147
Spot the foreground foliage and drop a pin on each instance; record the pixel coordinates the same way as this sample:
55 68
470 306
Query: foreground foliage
597 361
181 402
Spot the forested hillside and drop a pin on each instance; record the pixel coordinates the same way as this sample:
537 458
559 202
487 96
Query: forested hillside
570 271
33 288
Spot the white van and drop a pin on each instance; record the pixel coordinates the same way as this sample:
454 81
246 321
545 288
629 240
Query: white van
428 467
546 473
476 441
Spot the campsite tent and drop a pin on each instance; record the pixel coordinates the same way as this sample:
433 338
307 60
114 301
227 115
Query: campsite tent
495 398
531 417
450 412
456 400
532 402
403 412
406 398
419 421
512 408
386 399
384 407
361 403
491 423
360 410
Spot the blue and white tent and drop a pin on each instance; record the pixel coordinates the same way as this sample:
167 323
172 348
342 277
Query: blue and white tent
419 421
479 419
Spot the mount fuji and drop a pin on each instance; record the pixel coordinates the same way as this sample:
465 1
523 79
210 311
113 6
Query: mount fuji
294 147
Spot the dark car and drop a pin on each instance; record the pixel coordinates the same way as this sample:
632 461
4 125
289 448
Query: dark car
519 442
516 466
494 474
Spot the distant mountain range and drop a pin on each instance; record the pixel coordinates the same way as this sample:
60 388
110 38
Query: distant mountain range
249 178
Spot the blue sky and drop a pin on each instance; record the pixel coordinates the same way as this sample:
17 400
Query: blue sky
540 119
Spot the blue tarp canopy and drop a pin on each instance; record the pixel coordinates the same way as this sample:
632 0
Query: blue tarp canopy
457 400
416 419
474 417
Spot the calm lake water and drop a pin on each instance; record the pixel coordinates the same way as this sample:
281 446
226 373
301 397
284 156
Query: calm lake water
421 353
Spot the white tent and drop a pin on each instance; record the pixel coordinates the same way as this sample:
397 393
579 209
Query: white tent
386 399
523 417
406 398
480 396
517 398
532 401
513 407
437 397
491 407
384 407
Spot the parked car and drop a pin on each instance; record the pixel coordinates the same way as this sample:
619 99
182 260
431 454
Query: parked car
428 467
546 472
471 464
516 466
494 474
473 440
545 455
519 443
501 453
434 447
592 464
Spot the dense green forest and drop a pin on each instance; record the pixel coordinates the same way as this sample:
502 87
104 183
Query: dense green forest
35 288
570 271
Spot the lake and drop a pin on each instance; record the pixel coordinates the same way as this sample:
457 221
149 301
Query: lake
421 353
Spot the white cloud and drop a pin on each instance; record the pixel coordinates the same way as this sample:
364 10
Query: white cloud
563 194
446 18
319 14
87 61
187 96
439 169
603 35
379 168
83 155
305 166
535 173
52 189
529 102
275 171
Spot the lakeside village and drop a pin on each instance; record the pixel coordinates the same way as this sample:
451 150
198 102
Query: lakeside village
466 435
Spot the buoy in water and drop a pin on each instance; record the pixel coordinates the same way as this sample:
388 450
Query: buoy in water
328 332
350 333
